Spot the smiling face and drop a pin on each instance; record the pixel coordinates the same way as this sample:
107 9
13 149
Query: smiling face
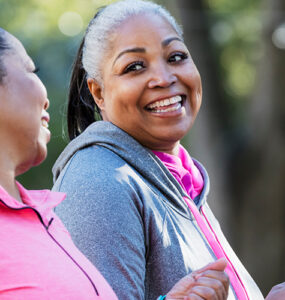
23 116
152 89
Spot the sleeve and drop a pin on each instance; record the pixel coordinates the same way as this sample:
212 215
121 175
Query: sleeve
103 214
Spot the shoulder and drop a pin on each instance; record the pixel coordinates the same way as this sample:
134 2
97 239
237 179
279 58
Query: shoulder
94 164
99 177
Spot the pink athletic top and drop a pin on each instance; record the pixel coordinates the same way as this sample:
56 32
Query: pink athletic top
38 259
189 177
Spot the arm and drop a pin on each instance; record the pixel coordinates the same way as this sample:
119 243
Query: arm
103 217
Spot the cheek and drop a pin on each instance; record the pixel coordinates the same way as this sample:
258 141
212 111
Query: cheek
192 78
122 96
38 89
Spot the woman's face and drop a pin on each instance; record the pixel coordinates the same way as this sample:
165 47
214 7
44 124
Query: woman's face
23 116
152 88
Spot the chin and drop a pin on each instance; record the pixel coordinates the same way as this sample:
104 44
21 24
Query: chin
41 153
32 161
174 135
40 158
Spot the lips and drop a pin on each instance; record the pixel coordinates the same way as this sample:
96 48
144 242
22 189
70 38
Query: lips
166 105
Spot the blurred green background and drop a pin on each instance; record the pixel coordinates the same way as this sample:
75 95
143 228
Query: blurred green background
239 49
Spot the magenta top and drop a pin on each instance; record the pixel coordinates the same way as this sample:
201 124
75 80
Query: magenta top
38 259
184 170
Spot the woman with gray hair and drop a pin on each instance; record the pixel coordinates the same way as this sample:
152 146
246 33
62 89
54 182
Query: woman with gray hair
136 199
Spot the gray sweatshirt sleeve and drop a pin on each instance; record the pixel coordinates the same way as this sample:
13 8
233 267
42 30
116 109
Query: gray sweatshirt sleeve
103 214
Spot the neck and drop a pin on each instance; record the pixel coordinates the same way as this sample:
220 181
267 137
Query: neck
174 149
8 182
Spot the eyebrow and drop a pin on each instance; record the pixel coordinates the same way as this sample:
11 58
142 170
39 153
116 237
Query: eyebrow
164 44
133 50
171 39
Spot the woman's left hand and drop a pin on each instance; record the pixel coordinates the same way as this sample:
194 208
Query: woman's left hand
210 283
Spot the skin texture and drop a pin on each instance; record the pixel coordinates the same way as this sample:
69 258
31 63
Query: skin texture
142 68
23 108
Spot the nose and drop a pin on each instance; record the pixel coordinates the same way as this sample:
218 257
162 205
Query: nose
46 104
162 76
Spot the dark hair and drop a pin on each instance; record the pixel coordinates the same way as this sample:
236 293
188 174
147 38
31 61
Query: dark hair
82 109
3 47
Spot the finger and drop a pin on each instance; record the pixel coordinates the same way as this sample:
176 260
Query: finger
217 275
193 297
218 265
214 284
205 292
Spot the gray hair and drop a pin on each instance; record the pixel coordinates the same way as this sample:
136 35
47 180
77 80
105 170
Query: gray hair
3 48
100 28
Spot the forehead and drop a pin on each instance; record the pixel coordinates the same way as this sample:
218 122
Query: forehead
140 31
17 50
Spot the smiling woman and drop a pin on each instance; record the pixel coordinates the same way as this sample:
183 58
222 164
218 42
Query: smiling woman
21 88
139 197
38 257
153 92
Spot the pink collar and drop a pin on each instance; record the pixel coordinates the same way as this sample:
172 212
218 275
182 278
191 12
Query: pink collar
184 170
41 200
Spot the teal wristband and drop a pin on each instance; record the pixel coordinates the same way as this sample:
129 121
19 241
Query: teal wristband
161 297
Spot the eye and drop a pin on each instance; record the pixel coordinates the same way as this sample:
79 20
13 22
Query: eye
36 70
176 57
134 66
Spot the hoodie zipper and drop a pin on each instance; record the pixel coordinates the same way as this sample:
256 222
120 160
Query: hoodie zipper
55 241
217 248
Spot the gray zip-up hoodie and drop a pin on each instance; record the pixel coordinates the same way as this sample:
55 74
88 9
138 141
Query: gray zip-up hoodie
126 212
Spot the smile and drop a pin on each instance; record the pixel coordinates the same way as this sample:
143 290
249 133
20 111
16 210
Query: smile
166 105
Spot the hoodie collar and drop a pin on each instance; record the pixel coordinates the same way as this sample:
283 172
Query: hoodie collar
143 160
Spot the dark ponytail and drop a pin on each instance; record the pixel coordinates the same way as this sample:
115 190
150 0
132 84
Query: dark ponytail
81 105
3 47
82 109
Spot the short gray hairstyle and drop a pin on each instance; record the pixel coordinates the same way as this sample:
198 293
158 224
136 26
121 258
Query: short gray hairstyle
99 29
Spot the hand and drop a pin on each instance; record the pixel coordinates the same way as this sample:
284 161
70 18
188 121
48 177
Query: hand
277 292
207 283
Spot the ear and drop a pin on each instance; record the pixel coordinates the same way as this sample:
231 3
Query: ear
96 92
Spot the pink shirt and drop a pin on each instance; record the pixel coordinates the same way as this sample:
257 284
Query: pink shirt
184 170
38 259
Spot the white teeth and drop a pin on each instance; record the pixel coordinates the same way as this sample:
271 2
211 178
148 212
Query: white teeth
176 107
165 102
44 123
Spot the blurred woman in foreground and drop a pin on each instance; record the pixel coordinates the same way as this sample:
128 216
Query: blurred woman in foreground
38 259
